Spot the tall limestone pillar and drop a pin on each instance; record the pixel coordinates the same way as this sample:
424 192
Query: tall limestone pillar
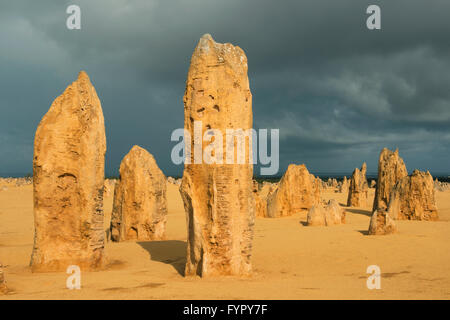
358 190
68 180
391 169
218 197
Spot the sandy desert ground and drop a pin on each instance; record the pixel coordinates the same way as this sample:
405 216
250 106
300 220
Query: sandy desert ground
290 260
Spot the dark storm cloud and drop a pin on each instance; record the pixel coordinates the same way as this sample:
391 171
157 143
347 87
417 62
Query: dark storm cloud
337 91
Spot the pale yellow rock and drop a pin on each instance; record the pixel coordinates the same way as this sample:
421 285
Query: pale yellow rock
358 190
297 191
316 216
261 199
68 179
343 187
391 169
413 198
331 214
140 201
381 223
110 185
218 198
337 213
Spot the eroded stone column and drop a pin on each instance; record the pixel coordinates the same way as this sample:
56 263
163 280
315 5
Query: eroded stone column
359 188
391 169
68 180
218 198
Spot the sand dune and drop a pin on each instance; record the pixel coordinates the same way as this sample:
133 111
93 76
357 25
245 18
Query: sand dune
290 260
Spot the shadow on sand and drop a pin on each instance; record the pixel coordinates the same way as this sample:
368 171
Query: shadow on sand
359 211
171 252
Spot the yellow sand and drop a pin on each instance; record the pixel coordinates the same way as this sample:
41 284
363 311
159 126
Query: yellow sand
290 260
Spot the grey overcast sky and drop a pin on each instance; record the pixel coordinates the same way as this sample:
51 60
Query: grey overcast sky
338 91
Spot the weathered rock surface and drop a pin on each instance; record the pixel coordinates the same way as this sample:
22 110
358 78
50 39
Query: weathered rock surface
337 213
391 169
331 214
381 223
297 191
218 198
110 185
261 196
343 186
316 216
358 190
68 180
3 287
140 201
413 198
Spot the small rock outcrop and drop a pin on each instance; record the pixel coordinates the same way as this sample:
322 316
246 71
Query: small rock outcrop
331 214
261 196
297 191
413 198
381 223
68 182
218 198
174 181
358 190
140 201
391 169
343 186
316 216
441 186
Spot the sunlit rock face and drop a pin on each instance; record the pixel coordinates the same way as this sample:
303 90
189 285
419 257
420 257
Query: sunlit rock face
218 197
140 199
391 169
68 179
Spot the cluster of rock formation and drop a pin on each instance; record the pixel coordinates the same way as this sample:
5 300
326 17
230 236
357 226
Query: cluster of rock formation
218 198
399 196
174 181
68 181
328 215
358 190
16 182
297 191
413 198
332 183
441 186
69 186
140 202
